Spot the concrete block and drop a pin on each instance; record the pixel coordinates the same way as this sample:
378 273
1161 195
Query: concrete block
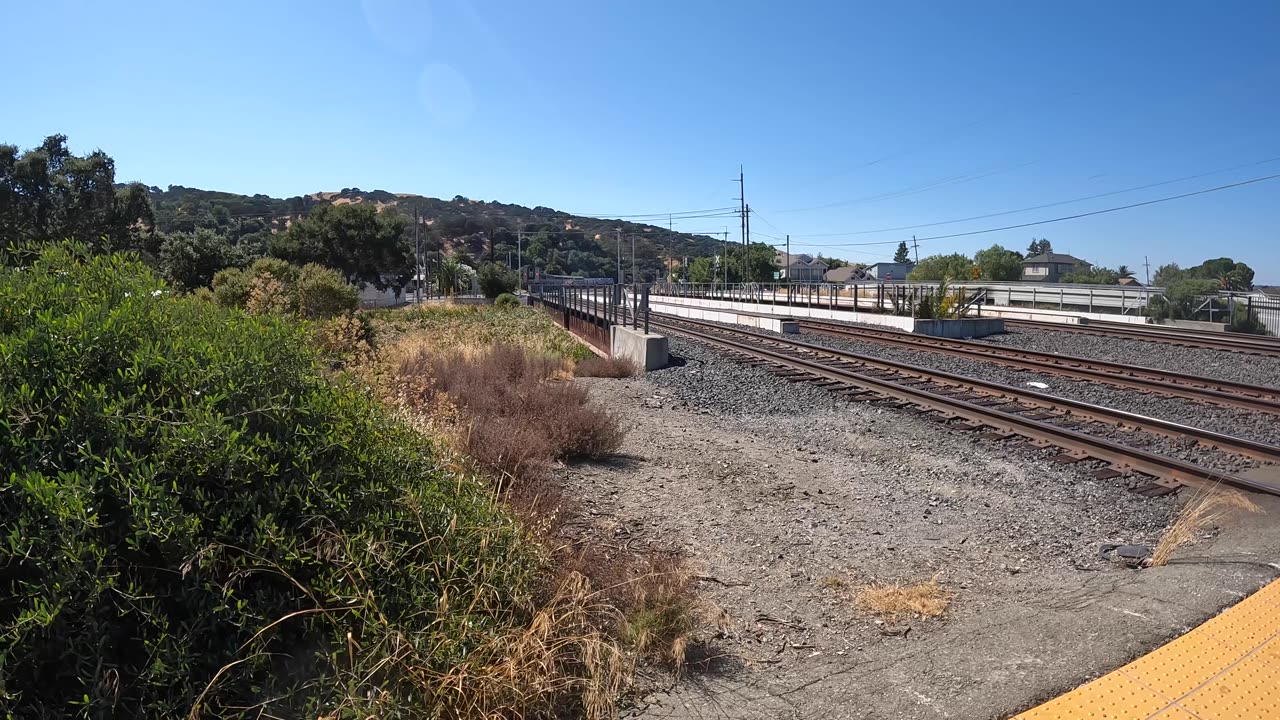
647 350
965 328
1196 325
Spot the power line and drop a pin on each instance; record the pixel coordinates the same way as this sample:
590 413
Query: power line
1046 205
914 190
1069 217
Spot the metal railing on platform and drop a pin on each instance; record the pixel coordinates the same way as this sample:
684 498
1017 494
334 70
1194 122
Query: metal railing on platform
589 312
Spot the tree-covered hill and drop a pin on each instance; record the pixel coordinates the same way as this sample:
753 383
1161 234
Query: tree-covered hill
553 241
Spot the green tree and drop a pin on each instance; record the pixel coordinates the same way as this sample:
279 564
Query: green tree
364 244
496 279
997 263
190 260
1124 272
449 276
1167 275
47 193
1093 276
703 270
1039 247
935 268
902 255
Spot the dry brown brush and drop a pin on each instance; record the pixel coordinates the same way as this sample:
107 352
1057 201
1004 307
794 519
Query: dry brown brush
1207 508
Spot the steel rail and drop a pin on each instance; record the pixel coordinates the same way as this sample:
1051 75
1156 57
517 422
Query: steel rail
1232 342
1085 445
1192 387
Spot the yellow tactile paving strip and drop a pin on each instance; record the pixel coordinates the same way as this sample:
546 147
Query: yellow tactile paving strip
1226 669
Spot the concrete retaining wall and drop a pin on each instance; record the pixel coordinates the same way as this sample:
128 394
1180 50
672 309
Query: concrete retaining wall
893 321
774 324
1059 316
964 328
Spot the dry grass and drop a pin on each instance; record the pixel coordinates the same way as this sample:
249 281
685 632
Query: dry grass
595 366
895 601
1208 507
515 418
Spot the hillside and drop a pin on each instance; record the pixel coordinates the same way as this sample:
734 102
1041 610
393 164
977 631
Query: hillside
554 241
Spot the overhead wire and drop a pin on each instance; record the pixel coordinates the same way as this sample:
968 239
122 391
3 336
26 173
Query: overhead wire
1104 211
1046 205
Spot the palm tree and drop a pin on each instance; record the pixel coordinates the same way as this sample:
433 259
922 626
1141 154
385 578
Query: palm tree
448 276
1124 272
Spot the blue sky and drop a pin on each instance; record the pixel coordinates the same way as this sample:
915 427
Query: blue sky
848 116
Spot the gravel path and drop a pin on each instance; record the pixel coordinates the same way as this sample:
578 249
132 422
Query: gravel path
1237 367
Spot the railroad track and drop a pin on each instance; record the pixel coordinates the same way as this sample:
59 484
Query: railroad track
999 411
1231 342
1192 387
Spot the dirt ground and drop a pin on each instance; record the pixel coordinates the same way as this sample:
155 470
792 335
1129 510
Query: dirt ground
785 515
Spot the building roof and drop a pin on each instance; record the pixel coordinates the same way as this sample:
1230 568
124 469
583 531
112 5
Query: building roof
1132 282
845 274
803 260
1055 258
886 263
1271 290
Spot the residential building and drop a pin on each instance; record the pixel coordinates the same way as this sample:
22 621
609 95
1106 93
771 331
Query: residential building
1050 267
846 274
890 271
799 268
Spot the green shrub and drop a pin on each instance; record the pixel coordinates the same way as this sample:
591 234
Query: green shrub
231 287
197 521
507 300
323 293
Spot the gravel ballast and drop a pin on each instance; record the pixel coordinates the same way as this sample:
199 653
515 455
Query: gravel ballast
1224 365
1256 426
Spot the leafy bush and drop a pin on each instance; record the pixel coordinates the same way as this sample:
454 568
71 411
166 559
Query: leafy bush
198 522
506 299
272 286
322 292
496 280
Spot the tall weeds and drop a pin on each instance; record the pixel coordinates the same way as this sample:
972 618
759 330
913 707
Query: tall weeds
1207 508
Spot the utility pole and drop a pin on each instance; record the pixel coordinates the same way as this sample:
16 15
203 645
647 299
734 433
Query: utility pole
618 231
520 259
787 266
916 246
742 213
417 256
1147 264
746 245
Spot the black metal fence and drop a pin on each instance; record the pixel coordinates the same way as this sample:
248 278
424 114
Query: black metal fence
590 312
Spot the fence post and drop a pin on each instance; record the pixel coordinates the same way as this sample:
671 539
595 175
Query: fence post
646 311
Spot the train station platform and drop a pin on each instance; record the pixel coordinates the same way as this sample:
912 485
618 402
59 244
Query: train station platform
1226 669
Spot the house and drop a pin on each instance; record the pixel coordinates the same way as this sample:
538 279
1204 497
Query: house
799 268
1129 282
891 271
1050 267
846 274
